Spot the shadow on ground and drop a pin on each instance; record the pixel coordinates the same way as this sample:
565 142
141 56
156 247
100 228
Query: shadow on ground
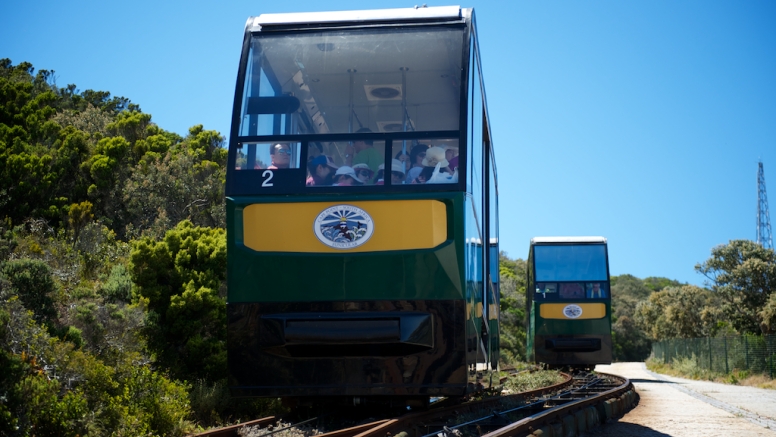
624 430
650 381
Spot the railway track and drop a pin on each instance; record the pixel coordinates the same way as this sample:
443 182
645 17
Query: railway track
580 402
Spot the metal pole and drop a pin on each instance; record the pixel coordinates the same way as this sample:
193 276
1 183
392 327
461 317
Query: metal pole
746 351
351 108
695 342
727 369
404 115
709 341
770 351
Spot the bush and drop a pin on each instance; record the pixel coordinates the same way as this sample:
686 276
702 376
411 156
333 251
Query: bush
31 280
49 387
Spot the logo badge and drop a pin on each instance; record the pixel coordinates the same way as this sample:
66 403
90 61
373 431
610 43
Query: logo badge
572 311
343 226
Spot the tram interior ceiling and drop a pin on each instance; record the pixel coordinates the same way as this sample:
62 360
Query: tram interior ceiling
333 82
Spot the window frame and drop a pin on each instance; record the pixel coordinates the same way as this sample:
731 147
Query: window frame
248 182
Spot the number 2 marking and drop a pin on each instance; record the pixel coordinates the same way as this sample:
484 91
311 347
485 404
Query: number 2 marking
267 174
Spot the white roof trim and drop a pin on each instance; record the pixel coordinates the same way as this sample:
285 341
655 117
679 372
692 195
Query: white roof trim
399 14
538 240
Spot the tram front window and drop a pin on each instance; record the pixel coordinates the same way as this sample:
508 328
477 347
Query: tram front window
340 81
570 262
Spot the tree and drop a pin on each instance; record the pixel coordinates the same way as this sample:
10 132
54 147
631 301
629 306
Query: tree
185 183
678 312
629 342
79 215
181 280
743 274
512 306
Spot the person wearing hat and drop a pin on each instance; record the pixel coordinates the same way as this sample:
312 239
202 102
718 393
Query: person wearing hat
321 170
397 172
363 173
363 152
441 173
346 177
436 155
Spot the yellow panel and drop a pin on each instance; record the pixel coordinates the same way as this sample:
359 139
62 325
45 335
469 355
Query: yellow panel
397 225
584 311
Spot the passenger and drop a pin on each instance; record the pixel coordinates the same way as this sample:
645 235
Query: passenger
416 161
363 152
280 154
380 178
436 155
397 172
451 155
346 177
321 170
424 176
363 173
572 291
403 157
595 291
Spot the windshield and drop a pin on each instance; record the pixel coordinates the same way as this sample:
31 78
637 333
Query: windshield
345 81
570 263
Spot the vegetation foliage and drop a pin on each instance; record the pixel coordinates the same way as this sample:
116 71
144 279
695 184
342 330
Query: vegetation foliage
113 261
112 318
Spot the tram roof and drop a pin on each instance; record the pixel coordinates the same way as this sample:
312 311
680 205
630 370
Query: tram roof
561 240
375 15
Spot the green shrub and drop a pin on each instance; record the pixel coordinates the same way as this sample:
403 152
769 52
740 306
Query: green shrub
31 280
118 284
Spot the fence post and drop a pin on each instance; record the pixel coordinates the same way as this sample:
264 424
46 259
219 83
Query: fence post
695 342
709 342
727 369
746 351
686 351
770 358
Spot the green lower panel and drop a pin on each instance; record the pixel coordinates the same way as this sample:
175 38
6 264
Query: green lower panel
435 273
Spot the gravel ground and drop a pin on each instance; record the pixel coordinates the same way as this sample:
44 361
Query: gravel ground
680 407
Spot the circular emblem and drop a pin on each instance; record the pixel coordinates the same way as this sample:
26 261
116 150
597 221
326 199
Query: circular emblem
343 226
572 311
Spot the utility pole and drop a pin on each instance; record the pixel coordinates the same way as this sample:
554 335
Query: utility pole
764 235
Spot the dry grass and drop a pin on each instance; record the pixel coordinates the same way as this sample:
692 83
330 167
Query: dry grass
758 380
687 368
525 381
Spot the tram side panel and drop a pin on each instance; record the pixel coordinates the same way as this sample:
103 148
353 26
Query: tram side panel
369 323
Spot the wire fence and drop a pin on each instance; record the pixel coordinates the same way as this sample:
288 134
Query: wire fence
754 353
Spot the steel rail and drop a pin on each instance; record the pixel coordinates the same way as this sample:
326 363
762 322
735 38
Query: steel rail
501 414
529 424
394 426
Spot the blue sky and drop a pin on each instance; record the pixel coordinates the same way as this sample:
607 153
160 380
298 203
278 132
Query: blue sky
641 121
